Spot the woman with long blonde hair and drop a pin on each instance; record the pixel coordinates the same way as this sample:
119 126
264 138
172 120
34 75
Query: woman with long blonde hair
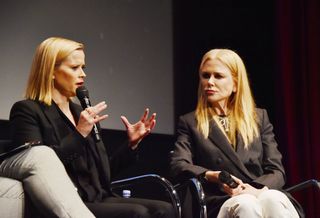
228 133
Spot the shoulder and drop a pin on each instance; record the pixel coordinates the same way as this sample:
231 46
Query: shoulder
191 116
26 108
260 112
25 104
188 119
262 116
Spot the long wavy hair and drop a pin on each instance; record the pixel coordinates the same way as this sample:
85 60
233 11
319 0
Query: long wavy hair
241 103
49 54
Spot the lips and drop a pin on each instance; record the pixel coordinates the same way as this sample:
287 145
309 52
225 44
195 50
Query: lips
210 92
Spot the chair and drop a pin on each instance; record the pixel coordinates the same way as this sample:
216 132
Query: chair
303 185
199 196
137 186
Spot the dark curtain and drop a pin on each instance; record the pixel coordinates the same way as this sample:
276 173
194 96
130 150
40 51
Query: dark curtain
298 88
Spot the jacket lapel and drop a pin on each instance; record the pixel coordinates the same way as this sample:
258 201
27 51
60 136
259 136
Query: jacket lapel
54 118
221 141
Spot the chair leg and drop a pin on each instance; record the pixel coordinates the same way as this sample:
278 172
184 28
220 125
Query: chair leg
201 197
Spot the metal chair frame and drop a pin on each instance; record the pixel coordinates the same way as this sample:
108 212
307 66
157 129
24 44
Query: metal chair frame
200 195
173 195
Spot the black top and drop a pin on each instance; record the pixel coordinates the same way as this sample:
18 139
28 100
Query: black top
86 162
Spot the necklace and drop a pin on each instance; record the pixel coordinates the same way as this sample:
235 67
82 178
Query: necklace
224 122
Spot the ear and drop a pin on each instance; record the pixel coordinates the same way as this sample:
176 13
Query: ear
234 89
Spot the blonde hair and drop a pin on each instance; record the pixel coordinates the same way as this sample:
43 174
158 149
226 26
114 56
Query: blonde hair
241 103
49 54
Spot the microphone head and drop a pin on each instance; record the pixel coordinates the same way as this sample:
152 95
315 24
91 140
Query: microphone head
224 176
82 92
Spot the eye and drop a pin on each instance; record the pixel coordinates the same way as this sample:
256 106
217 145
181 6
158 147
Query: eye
218 76
205 75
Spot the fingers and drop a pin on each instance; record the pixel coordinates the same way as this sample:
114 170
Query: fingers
125 121
148 123
232 191
227 189
94 110
100 118
145 115
239 181
92 113
152 124
145 119
153 117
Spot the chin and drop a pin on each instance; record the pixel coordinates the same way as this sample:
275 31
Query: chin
212 99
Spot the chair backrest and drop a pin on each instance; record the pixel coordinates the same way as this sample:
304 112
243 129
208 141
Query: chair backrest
303 185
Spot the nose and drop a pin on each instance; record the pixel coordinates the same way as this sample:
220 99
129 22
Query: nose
82 74
211 80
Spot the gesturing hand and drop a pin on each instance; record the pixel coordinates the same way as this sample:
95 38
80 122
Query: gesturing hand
90 116
136 132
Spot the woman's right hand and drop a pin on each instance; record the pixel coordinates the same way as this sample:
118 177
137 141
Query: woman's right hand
89 117
213 176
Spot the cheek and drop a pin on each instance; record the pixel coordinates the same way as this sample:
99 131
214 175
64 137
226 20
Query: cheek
63 79
228 86
203 83
67 77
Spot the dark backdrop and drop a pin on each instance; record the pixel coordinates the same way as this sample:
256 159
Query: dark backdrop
247 28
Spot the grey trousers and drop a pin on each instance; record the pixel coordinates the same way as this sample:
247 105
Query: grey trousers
45 181
12 199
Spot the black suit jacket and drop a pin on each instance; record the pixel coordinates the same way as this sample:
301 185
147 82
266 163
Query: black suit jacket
193 155
34 121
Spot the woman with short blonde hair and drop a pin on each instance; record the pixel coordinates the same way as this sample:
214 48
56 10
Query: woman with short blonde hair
49 115
49 54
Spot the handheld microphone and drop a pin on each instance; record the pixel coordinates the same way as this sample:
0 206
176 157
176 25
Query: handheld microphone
225 178
83 96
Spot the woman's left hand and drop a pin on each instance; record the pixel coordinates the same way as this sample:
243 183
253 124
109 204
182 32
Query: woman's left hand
248 189
136 132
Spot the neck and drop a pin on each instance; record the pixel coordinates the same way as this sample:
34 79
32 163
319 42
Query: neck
220 108
61 100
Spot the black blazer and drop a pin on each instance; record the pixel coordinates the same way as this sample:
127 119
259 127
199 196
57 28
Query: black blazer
193 155
34 121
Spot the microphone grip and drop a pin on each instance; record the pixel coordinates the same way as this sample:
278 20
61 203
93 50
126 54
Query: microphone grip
226 178
96 134
85 103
